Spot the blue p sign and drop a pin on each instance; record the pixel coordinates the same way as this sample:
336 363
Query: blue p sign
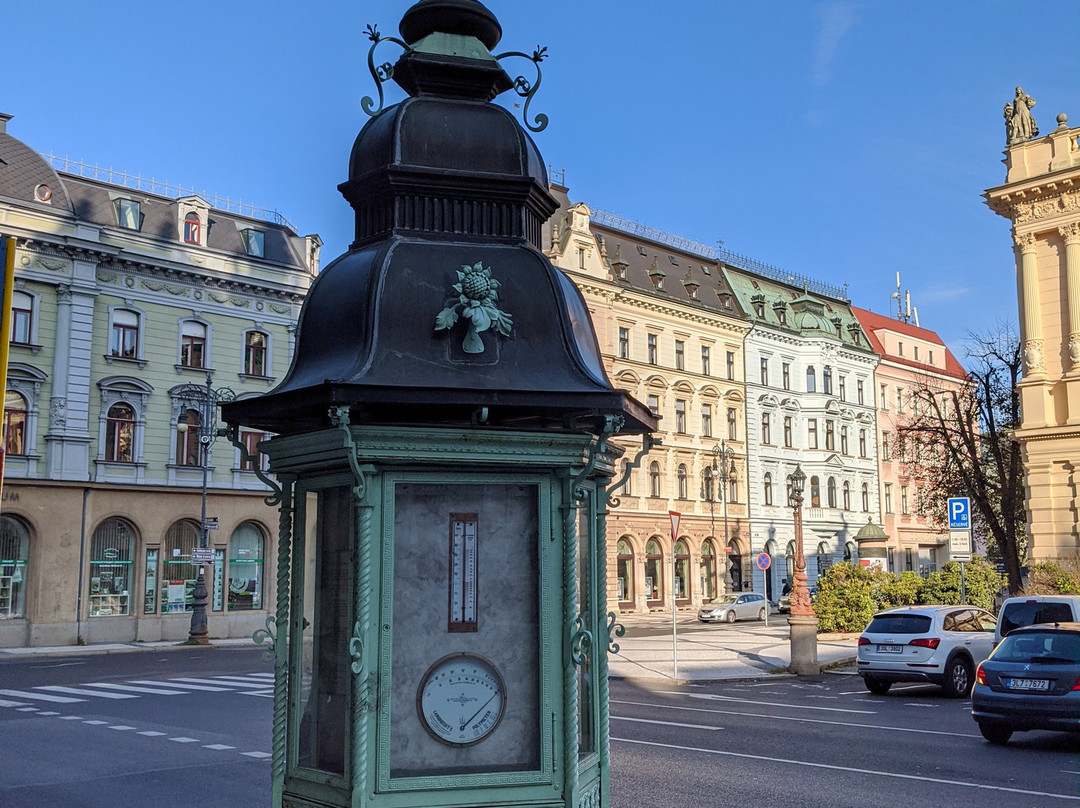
959 513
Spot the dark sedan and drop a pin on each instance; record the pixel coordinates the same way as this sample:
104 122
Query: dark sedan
1031 681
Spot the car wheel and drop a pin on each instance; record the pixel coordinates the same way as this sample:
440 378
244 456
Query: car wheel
729 617
995 733
761 614
876 686
957 678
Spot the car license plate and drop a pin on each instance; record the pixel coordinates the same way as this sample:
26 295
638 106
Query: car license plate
1027 684
890 649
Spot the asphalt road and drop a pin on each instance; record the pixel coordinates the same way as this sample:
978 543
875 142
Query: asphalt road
201 736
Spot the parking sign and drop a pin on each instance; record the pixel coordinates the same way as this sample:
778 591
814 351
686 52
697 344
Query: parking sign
959 513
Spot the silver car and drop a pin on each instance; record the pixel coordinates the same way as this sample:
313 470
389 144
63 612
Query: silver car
729 608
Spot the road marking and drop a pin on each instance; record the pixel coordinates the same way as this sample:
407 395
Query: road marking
6 703
663 723
711 697
217 747
222 686
48 712
266 694
805 720
259 755
121 727
94 722
149 733
157 691
247 680
853 770
182 739
78 692
919 704
71 718
172 683
29 709
23 694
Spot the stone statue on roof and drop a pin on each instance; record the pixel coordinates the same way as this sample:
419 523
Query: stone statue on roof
1019 122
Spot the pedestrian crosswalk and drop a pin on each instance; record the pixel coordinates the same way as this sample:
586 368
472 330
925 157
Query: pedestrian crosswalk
253 684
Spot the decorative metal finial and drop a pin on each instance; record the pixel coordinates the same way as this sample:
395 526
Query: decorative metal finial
524 88
383 73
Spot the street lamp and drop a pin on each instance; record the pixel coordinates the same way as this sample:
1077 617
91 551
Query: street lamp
208 399
719 473
802 620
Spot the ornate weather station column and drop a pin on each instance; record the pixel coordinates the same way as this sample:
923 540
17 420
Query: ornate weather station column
443 465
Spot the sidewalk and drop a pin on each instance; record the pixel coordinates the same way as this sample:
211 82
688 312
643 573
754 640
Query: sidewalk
115 647
716 651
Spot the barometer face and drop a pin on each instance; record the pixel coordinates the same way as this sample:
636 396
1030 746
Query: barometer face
461 699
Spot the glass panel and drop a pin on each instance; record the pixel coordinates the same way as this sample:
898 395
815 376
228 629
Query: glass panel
150 584
111 553
14 551
217 604
324 694
14 424
177 572
245 568
586 726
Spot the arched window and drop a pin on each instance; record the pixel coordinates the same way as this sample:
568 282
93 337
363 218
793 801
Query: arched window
831 488
624 581
766 485
654 479
14 555
865 497
811 380
815 492
120 434
628 486
682 481
849 552
112 552
188 432
245 568
789 562
255 345
824 558
847 495
177 573
192 228
708 570
682 571
654 571
14 424
193 344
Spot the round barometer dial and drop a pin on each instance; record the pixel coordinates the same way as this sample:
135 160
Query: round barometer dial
461 699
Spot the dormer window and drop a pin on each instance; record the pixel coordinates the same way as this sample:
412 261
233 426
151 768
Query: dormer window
759 308
674 263
725 301
128 213
641 250
253 242
192 229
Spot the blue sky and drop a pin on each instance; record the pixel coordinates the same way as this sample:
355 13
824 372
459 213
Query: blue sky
841 140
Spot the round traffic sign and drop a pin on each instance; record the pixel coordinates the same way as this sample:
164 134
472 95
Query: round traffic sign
763 561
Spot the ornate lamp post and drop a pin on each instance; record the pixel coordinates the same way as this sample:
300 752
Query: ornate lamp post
802 620
208 400
719 473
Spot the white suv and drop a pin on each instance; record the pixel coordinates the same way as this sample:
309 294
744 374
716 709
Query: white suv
938 644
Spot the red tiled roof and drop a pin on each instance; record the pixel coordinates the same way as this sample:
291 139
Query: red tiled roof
872 323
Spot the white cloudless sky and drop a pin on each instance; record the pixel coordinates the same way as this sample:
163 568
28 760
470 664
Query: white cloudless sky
845 141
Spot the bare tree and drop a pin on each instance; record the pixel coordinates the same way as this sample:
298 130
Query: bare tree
960 441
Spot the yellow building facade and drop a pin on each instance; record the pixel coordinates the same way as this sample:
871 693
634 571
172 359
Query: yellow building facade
1041 199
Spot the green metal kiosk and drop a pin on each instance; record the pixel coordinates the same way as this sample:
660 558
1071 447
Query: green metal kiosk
441 463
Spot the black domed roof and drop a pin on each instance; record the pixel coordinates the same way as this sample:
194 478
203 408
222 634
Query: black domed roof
23 171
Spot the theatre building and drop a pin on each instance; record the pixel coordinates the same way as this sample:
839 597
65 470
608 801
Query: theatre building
129 295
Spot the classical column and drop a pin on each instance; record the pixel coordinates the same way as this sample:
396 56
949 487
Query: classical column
1034 356
1071 234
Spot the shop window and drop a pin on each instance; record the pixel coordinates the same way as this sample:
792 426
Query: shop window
624 580
256 344
120 434
192 228
150 587
177 572
14 556
22 318
654 571
708 570
246 567
193 344
682 571
112 551
15 411
124 334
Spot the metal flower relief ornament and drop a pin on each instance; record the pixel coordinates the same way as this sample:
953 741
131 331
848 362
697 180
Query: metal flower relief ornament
442 465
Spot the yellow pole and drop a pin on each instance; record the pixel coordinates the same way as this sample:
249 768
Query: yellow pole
5 337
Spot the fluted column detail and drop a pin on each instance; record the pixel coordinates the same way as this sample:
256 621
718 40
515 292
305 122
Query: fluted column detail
1071 234
1034 348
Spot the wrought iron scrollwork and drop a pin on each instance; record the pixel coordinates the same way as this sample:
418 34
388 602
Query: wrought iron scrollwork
581 643
339 417
356 648
273 499
614 630
527 89
381 73
266 636
648 442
